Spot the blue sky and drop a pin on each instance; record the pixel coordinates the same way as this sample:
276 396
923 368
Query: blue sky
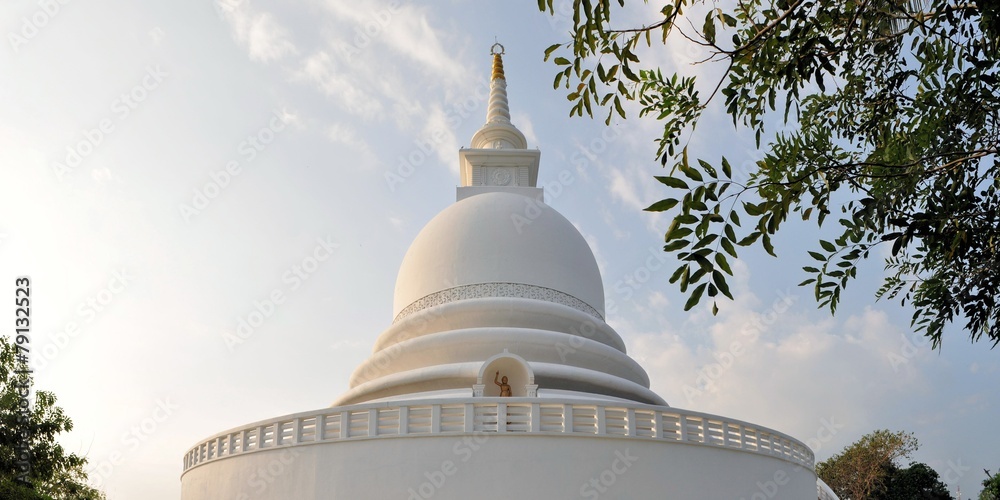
167 167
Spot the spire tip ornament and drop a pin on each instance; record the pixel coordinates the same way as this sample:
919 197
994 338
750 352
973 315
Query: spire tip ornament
498 51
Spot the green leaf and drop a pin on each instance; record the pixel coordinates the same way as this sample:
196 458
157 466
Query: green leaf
672 182
679 232
766 241
829 247
695 296
720 281
720 260
662 205
730 234
692 173
726 168
728 247
619 108
750 239
675 245
709 27
752 209
552 48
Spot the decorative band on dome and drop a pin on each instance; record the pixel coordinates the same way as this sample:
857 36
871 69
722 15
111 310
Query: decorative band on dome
491 290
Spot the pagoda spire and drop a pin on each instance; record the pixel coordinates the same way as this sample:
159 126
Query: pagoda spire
498 132
499 109
499 158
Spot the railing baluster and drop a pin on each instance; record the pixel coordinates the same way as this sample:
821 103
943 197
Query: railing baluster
536 418
501 417
435 419
470 417
404 420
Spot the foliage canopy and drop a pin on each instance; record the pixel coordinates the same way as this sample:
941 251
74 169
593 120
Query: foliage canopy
868 470
882 113
991 487
54 474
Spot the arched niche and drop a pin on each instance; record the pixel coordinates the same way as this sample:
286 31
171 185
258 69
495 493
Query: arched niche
520 376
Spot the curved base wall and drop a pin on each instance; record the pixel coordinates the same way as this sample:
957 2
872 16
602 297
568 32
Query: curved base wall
499 448
483 466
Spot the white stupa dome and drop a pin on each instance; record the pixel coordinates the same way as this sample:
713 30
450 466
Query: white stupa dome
498 377
501 237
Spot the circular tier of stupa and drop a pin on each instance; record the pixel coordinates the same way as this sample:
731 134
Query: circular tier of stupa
499 378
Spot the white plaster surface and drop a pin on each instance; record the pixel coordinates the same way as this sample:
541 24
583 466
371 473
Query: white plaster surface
502 467
499 237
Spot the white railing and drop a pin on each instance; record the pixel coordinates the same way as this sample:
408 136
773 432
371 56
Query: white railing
824 492
500 415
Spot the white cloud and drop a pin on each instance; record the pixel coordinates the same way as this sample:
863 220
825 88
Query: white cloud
262 36
336 82
346 135
522 121
404 28
100 174
623 189
440 135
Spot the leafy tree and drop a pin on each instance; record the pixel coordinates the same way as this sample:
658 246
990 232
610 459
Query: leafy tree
991 487
54 474
916 482
891 121
859 472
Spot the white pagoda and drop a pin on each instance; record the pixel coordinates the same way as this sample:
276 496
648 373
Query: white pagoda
499 378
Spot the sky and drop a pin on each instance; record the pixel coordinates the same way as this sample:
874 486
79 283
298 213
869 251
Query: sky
167 167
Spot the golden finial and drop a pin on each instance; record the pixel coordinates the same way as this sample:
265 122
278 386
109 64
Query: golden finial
497 51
